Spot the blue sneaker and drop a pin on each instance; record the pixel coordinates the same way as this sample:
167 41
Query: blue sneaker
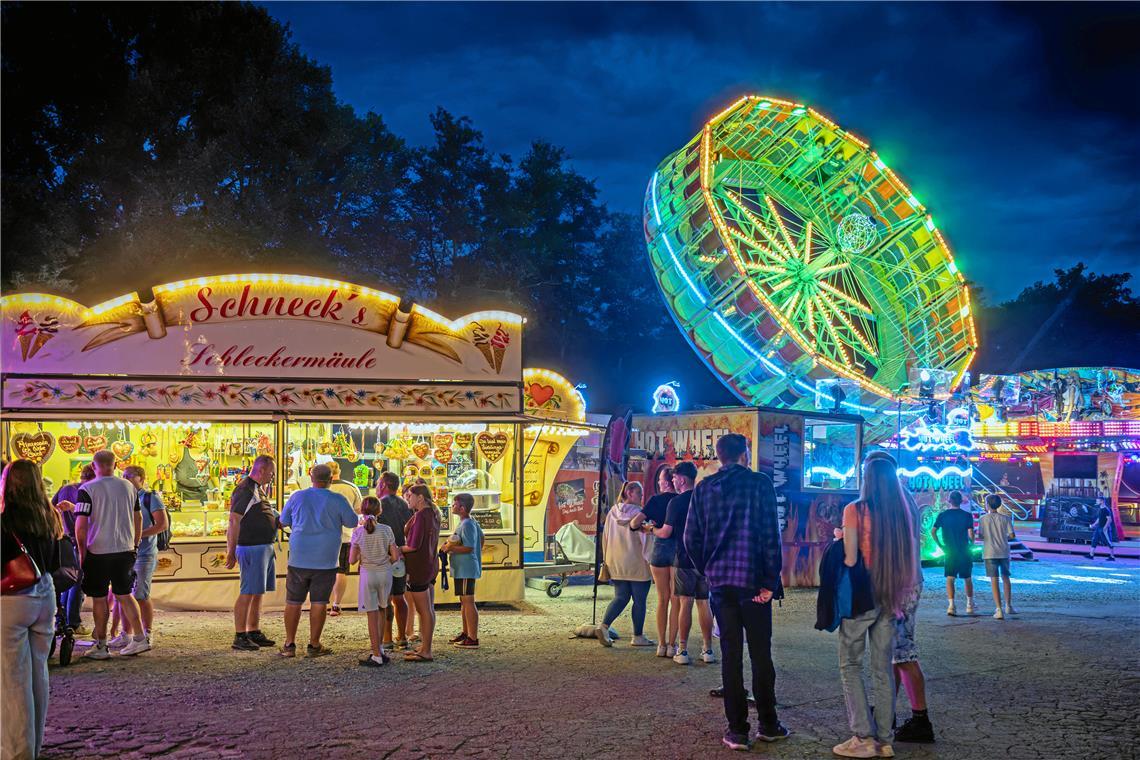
774 734
736 742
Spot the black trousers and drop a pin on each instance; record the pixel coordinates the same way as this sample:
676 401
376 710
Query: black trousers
738 618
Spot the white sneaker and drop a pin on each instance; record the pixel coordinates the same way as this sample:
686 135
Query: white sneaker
970 608
98 653
641 641
951 609
119 641
708 657
998 614
604 636
672 650
1009 610
135 647
682 657
856 747
663 651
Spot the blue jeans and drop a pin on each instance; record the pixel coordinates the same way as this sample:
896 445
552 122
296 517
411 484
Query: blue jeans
872 631
1099 537
738 617
26 627
69 605
623 592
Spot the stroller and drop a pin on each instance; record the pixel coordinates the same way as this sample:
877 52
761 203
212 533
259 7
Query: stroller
65 577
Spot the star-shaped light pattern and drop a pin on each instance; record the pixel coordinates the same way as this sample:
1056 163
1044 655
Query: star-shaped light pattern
805 276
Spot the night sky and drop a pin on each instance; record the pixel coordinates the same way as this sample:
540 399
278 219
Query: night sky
1016 125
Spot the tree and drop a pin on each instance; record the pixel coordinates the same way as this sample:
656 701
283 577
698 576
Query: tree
1079 319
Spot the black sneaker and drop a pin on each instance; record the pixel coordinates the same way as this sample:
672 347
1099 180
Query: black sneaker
259 638
917 730
774 734
718 693
243 643
736 742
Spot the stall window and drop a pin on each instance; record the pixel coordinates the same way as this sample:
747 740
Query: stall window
450 458
193 466
831 455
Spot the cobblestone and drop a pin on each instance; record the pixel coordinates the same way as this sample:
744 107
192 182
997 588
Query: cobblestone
1058 680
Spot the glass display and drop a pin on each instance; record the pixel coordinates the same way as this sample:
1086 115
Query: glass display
194 466
447 457
831 454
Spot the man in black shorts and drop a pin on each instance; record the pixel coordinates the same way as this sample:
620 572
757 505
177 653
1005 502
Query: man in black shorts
957 527
108 528
395 513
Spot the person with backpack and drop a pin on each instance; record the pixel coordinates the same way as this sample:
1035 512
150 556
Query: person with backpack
155 537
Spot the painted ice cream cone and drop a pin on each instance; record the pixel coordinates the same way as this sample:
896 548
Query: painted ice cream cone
500 351
25 334
482 340
499 343
46 331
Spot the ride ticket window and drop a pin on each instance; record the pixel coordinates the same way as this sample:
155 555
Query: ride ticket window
449 458
831 455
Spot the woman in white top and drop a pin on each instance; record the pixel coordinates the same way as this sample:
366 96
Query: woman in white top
624 551
373 545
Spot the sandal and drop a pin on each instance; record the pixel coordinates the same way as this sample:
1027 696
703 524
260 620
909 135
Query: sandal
417 657
334 611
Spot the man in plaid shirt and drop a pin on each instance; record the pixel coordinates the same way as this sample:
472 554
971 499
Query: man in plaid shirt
733 537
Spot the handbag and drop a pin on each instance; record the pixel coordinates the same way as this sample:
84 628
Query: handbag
67 571
604 574
20 572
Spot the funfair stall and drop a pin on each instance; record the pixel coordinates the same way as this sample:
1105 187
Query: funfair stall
203 375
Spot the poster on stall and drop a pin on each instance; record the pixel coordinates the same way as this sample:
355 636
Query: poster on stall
780 456
671 438
573 499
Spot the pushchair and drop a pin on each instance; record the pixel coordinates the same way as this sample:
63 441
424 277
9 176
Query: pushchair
571 551
65 578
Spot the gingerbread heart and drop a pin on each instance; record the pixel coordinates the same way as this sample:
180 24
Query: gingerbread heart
69 443
421 450
463 440
93 443
122 450
443 456
442 440
492 445
38 447
540 394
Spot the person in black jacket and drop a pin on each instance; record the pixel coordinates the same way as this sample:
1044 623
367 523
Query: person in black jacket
27 616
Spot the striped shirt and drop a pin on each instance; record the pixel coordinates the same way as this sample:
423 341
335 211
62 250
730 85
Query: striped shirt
374 546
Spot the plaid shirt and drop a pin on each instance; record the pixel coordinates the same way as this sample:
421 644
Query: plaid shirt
732 533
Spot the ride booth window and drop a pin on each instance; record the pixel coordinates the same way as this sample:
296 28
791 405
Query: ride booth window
831 455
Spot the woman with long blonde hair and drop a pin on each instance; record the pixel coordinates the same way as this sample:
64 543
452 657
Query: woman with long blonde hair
877 530
28 524
623 548
421 556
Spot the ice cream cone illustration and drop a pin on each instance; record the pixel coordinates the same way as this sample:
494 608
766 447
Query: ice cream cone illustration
482 340
46 331
499 343
25 333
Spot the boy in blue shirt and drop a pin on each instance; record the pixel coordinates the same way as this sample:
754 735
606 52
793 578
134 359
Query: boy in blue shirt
466 549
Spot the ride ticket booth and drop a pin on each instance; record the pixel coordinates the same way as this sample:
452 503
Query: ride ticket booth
195 382
813 461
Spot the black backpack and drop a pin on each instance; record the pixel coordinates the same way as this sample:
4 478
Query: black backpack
163 541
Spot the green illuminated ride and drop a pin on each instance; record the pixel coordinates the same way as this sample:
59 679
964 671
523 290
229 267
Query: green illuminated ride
788 252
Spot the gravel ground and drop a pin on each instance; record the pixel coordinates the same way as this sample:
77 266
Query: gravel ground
1060 680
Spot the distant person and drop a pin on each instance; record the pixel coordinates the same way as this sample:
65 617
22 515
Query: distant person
26 616
352 494
70 602
732 535
689 586
316 516
374 547
465 547
154 522
1100 530
662 552
395 513
877 529
997 531
957 539
108 529
421 556
250 537
623 550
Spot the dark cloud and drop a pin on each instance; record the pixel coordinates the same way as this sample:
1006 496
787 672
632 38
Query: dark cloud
1014 123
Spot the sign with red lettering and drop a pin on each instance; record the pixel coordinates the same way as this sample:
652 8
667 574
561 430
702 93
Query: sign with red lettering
258 326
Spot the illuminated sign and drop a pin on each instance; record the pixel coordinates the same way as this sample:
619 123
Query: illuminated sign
665 398
952 436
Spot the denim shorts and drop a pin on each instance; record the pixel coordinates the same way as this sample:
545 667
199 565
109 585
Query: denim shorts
144 572
906 650
996 566
664 552
258 568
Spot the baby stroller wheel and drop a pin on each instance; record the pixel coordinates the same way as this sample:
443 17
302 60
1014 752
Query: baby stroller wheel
66 647
554 590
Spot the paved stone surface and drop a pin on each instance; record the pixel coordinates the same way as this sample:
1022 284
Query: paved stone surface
1060 680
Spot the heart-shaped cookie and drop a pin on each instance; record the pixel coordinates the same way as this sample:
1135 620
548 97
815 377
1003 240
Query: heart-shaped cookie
70 443
93 443
492 445
463 440
421 450
540 394
37 447
442 440
122 449
443 456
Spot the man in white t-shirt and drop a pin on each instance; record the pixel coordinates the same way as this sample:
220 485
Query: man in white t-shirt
352 494
108 528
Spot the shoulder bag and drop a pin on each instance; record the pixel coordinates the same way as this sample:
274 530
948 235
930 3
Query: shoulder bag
20 573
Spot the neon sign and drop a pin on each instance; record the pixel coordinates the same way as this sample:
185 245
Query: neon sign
666 399
952 436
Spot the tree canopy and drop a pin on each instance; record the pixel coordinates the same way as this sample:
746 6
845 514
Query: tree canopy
145 143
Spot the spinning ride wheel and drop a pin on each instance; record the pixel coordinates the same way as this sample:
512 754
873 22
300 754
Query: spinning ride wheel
788 252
